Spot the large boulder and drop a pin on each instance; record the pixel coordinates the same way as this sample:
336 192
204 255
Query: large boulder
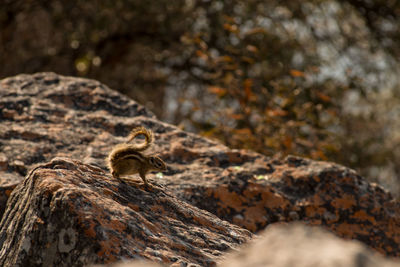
43 116
66 213
252 191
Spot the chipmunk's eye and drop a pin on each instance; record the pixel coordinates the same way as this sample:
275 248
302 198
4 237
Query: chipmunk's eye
156 162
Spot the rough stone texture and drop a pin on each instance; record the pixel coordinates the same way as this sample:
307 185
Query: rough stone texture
303 246
295 244
258 191
133 263
45 115
66 213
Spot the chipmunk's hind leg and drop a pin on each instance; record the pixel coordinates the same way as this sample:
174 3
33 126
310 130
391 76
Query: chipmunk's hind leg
116 176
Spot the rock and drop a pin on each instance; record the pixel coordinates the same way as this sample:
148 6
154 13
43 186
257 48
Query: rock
66 213
138 263
254 192
45 115
5 191
303 246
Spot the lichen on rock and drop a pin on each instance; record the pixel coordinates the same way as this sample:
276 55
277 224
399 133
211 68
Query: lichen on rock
70 211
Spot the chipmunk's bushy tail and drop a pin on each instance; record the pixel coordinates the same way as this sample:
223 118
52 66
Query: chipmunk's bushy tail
141 131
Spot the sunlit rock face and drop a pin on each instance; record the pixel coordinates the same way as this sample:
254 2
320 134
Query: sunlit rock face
70 210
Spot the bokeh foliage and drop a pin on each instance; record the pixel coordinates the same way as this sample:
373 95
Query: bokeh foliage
311 78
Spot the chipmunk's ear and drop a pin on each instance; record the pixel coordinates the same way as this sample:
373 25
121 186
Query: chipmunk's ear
157 163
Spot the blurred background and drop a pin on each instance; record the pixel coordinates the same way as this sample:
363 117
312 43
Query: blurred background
319 79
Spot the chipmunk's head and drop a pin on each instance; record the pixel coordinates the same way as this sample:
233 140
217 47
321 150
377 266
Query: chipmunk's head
157 163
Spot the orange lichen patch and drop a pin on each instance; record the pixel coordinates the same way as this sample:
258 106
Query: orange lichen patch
269 198
364 201
393 226
37 223
316 178
314 222
253 215
316 200
253 190
347 180
109 250
236 157
199 242
179 246
347 201
50 187
89 231
9 114
313 211
158 210
274 200
377 208
362 216
228 198
8 192
351 230
108 192
31 136
115 225
133 207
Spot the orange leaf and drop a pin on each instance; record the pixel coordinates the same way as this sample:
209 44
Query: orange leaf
252 48
318 154
297 73
248 83
256 30
201 55
276 112
287 142
231 28
248 60
228 78
224 59
324 97
229 18
236 116
220 92
201 43
243 131
305 143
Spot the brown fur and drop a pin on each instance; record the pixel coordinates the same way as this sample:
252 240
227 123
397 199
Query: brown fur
127 159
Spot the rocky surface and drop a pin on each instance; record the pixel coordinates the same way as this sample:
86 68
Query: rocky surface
134 263
295 244
66 213
303 246
45 115
253 192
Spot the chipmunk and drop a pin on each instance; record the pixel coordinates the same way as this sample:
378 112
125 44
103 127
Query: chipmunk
126 159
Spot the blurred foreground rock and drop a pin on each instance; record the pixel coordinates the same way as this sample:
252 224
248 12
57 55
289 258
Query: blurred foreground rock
303 246
45 115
